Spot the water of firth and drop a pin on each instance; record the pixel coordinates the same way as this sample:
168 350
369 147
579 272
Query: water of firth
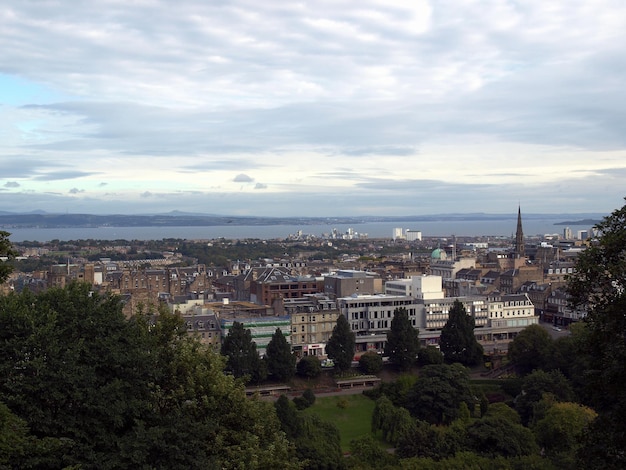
473 228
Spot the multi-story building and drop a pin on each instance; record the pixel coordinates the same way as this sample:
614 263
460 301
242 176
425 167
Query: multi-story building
559 311
261 328
276 283
349 282
418 287
370 317
313 318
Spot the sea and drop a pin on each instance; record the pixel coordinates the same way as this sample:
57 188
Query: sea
470 228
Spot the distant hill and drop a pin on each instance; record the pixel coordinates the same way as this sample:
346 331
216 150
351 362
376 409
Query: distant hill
182 219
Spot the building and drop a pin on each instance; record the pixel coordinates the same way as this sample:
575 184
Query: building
277 283
313 318
520 248
413 235
418 287
397 234
370 317
348 282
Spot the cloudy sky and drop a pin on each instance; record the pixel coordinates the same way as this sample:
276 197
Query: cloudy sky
323 108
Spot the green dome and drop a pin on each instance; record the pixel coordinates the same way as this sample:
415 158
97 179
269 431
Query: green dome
438 254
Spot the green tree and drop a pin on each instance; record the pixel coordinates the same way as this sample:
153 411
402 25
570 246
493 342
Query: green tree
341 345
370 363
240 351
535 387
598 285
309 367
127 393
438 392
494 436
457 341
366 452
402 343
6 249
560 431
281 363
531 349
429 355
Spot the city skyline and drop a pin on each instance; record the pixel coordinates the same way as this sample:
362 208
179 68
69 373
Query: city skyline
315 109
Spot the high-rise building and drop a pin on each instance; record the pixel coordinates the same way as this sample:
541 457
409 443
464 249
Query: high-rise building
567 233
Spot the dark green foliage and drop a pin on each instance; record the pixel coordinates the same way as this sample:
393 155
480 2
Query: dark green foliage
396 391
439 392
5 250
392 421
341 344
535 386
281 363
402 343
598 284
457 341
370 363
429 355
306 400
121 393
288 416
531 349
429 441
318 444
494 436
309 367
366 452
242 359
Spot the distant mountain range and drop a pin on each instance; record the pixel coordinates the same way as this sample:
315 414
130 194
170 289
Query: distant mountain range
183 219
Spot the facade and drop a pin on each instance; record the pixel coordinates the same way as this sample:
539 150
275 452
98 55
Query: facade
277 283
418 287
313 318
370 317
413 235
261 328
348 282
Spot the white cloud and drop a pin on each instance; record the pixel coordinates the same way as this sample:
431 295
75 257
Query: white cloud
319 98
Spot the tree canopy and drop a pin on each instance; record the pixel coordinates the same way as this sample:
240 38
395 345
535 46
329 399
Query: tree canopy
242 358
531 349
341 344
127 393
598 284
281 363
402 344
7 251
457 341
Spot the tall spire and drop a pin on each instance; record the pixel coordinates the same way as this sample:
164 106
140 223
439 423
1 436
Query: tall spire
519 235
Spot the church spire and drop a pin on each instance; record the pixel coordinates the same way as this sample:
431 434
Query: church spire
519 235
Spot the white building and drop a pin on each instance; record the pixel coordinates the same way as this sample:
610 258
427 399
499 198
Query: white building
397 233
418 287
413 235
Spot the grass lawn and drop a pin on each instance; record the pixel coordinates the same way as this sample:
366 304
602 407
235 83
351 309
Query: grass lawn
353 421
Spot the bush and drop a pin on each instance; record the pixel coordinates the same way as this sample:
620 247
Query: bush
309 367
370 363
309 396
429 355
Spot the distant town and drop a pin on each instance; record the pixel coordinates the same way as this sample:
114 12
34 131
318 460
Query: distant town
302 283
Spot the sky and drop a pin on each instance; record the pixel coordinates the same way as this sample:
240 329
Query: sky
321 108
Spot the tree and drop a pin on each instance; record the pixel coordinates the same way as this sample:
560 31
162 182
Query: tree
240 351
5 250
370 363
598 285
438 393
560 431
531 349
429 355
535 387
127 393
341 345
281 363
457 341
402 343
494 436
309 367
